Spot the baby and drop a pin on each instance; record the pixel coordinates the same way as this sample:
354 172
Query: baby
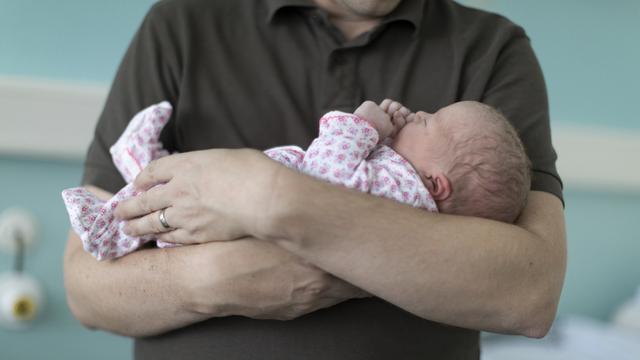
464 159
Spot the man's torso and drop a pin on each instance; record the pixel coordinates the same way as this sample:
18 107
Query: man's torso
260 74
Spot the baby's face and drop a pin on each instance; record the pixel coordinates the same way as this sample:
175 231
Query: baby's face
424 140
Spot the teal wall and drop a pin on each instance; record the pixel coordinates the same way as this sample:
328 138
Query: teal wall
588 48
35 185
79 40
604 252
589 52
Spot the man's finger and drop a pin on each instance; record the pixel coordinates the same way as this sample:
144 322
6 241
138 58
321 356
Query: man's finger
157 172
177 236
151 224
154 199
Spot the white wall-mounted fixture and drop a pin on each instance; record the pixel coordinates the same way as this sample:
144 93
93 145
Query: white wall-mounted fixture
21 295
21 300
17 222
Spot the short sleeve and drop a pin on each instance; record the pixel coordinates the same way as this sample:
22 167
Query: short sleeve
517 88
148 74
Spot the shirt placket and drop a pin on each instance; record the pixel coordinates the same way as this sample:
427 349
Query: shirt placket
341 88
340 68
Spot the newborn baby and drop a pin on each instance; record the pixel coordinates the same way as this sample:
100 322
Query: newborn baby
465 159
468 156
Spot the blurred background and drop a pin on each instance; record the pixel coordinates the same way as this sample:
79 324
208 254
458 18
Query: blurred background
57 60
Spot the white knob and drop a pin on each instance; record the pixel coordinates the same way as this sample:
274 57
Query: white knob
13 222
21 300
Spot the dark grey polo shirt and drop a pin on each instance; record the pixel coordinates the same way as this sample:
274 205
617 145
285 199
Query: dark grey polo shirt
244 73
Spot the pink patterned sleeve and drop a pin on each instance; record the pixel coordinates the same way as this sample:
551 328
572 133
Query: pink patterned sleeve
347 153
393 177
338 154
289 156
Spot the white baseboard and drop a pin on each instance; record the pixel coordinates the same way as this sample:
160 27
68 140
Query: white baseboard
48 118
56 120
598 158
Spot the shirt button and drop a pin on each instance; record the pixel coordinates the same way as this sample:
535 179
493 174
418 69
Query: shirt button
317 19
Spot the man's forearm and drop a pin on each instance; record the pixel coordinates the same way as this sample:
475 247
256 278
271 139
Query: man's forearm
152 291
137 295
467 272
145 293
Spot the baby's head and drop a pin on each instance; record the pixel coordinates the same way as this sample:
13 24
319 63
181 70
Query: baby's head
470 158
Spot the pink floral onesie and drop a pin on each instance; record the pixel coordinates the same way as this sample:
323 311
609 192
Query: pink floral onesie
346 152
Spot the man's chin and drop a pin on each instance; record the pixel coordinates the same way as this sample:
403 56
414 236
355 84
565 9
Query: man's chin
370 8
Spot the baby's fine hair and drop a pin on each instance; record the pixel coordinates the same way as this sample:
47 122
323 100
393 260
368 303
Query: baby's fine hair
489 171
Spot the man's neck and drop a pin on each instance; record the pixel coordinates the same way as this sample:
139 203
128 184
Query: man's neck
352 29
349 23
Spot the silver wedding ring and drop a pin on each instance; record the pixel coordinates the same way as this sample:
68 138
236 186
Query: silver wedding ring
163 219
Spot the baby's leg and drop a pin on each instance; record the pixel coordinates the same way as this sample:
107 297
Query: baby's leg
92 219
139 144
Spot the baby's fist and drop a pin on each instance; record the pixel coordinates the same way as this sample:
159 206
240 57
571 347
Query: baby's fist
377 117
398 113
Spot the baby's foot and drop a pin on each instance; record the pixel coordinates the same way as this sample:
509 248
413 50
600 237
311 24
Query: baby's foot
93 220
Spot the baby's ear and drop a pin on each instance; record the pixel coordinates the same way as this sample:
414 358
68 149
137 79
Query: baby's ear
439 186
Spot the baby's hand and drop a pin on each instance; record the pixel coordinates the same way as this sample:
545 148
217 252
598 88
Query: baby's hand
398 114
378 118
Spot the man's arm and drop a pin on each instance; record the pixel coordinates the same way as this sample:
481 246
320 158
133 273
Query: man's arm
156 290
463 271
468 272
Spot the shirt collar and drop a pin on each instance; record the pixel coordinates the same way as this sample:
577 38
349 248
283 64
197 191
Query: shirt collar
273 6
410 11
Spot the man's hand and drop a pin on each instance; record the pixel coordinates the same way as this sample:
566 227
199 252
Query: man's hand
260 280
188 284
214 194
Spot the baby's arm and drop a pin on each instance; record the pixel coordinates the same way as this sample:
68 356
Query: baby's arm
344 142
290 156
341 155
378 118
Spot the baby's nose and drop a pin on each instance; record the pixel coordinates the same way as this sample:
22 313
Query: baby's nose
423 116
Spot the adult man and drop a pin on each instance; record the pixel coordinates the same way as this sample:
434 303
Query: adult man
258 74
